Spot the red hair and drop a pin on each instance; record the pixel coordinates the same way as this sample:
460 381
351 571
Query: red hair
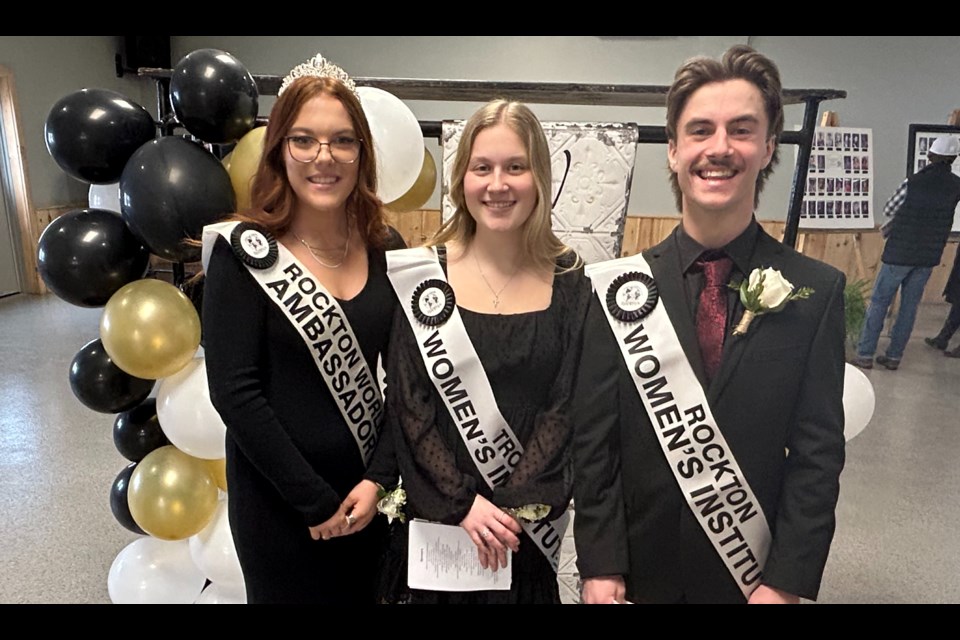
271 195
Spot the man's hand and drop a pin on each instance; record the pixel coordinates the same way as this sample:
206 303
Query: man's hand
769 595
604 590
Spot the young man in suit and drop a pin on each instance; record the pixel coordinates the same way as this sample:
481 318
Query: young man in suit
762 443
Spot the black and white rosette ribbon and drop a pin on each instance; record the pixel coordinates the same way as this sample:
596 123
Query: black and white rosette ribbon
254 246
317 317
457 373
698 455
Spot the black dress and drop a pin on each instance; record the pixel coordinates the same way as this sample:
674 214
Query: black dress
290 457
530 360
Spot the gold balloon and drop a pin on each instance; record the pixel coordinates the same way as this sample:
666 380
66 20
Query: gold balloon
171 495
150 329
242 162
218 469
422 189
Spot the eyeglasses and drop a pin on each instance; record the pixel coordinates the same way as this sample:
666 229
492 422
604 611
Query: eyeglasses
306 149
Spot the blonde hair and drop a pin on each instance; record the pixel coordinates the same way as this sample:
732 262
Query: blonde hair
538 241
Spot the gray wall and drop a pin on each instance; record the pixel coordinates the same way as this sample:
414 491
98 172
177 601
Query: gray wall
46 68
892 81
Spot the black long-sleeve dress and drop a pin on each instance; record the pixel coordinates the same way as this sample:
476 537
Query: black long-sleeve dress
530 360
291 459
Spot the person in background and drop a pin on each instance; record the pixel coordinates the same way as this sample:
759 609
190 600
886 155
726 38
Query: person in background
952 295
921 211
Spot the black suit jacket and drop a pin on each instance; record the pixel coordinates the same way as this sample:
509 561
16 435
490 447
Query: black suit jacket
778 398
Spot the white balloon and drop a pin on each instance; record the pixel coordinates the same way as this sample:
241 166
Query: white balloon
104 196
214 553
154 571
398 140
186 413
859 401
218 594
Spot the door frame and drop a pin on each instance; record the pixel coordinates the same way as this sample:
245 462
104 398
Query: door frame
19 184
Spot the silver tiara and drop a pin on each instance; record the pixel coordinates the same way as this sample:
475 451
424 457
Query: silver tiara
318 67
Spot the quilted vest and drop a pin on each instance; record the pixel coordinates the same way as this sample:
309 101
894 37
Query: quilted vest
921 227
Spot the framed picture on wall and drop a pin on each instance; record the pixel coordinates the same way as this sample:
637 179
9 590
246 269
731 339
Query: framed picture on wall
918 144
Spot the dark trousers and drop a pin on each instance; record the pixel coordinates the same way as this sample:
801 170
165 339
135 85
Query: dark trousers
951 324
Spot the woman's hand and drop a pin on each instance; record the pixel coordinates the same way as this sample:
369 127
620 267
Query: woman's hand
493 531
359 507
355 513
330 528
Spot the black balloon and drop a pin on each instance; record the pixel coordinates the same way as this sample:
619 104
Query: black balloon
170 189
118 500
137 432
103 386
86 255
214 96
92 133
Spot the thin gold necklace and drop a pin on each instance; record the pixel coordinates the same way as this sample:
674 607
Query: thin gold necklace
496 294
313 250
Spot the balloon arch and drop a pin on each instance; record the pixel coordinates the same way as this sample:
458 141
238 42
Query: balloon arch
152 190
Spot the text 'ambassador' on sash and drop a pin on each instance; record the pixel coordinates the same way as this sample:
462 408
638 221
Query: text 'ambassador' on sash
335 348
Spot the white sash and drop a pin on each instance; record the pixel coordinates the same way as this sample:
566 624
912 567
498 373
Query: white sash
320 321
696 451
458 375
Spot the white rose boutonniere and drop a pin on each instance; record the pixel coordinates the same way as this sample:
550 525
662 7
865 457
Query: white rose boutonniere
765 291
391 503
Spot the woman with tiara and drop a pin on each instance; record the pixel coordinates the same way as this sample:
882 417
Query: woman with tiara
297 310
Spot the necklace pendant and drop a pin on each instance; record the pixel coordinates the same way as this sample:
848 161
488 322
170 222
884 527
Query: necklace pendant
496 302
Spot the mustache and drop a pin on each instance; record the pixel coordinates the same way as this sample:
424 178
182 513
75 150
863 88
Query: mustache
719 163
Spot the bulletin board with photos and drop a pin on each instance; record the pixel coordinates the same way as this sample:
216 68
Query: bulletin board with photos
840 185
918 146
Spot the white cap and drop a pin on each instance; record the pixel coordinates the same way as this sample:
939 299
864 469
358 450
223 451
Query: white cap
945 146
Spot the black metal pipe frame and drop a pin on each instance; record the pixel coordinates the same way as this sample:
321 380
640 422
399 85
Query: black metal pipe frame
556 93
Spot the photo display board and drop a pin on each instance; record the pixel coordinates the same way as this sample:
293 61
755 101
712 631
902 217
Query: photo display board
840 185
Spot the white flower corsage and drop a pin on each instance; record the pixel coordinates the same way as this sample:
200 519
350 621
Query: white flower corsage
530 512
765 291
391 503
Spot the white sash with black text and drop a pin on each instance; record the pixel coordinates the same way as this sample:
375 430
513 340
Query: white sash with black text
318 318
696 451
457 373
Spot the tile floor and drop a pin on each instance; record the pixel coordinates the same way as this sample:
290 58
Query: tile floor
899 515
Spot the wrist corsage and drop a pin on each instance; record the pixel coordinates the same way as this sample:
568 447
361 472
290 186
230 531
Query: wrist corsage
391 503
530 512
765 291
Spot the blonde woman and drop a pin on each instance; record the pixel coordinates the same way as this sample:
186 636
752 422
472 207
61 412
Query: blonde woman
517 297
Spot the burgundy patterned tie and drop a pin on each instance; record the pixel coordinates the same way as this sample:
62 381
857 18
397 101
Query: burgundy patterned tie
712 309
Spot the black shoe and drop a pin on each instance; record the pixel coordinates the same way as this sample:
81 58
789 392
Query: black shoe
888 363
937 343
862 362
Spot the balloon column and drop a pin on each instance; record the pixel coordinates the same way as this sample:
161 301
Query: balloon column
152 194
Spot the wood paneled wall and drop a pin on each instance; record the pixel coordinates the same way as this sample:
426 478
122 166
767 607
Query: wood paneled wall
856 254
